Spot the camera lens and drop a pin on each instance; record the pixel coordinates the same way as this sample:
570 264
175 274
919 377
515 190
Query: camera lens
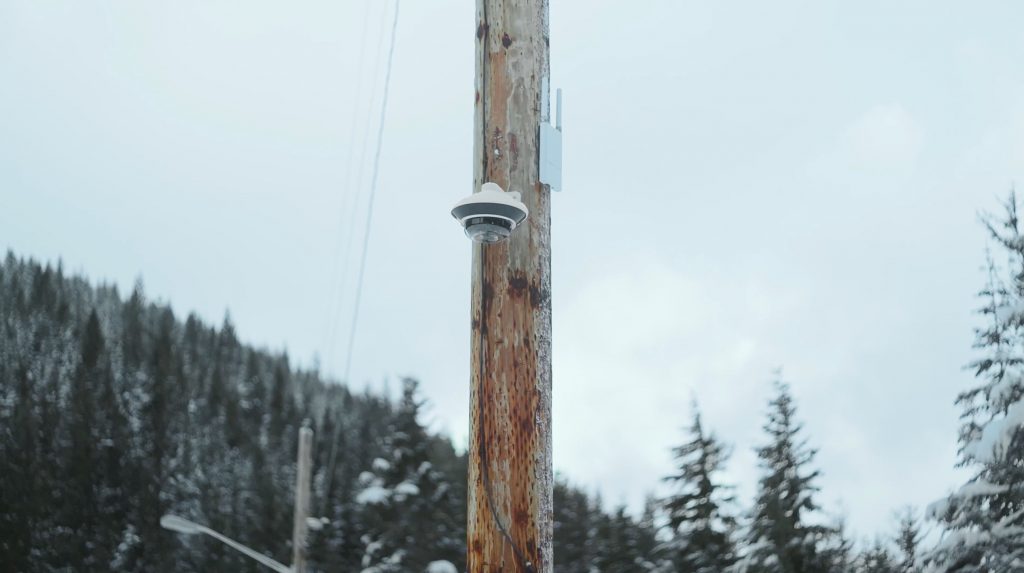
488 229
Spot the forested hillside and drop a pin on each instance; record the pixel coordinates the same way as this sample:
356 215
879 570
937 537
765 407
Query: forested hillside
113 412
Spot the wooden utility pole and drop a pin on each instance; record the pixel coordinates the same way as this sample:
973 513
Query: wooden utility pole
510 472
302 475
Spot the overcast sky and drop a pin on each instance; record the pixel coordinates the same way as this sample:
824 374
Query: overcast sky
748 186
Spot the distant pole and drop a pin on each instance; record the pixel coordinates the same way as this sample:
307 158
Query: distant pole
302 475
510 475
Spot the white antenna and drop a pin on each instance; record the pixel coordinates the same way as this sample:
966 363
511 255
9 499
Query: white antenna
558 109
551 139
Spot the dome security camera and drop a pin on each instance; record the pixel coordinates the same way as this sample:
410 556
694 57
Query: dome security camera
491 215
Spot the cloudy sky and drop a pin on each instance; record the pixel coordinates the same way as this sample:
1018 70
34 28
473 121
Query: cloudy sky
749 186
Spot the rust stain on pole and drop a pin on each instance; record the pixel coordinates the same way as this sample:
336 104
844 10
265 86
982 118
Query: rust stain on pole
510 475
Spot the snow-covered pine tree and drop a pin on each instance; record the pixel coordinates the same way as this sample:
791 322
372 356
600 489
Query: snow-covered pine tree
18 459
651 546
984 519
99 438
176 417
404 500
26 396
836 550
572 527
81 505
908 539
699 517
782 538
621 544
877 559
156 445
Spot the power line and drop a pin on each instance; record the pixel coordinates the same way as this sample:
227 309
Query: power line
347 235
332 460
348 204
373 193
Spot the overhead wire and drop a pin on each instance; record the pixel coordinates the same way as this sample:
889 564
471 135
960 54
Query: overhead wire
373 193
332 460
348 200
355 186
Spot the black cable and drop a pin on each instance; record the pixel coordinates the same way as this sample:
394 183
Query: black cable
373 194
349 204
332 460
485 470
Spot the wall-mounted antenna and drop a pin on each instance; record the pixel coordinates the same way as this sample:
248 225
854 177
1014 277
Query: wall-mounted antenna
551 140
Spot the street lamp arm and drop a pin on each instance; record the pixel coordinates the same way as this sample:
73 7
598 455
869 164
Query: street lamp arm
279 567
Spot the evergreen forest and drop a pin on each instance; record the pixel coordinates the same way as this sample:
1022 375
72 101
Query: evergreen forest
115 411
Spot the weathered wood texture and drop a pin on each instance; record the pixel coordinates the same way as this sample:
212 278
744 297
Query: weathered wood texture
510 475
302 476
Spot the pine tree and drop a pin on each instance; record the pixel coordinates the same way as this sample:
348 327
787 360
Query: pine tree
156 447
18 462
877 559
985 517
113 413
572 526
908 539
782 539
81 505
655 553
698 516
618 543
402 497
836 550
